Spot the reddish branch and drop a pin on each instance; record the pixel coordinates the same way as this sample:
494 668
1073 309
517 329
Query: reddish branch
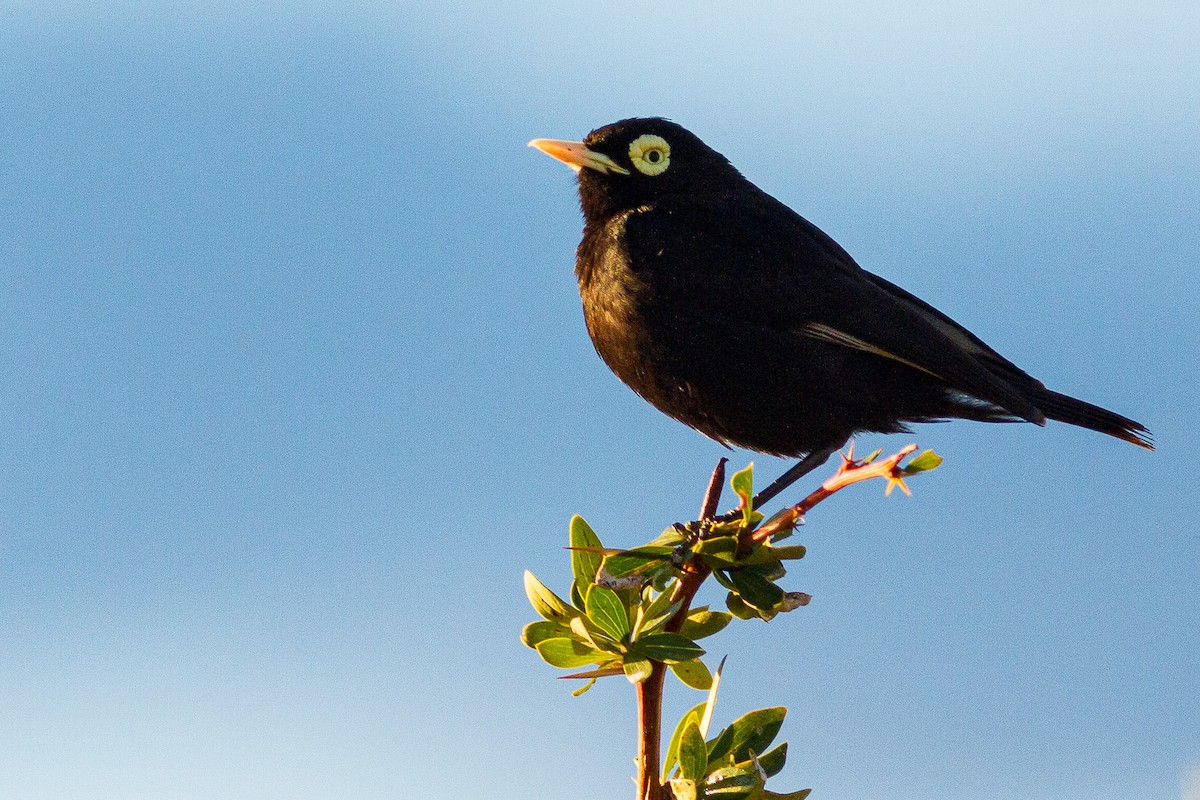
850 472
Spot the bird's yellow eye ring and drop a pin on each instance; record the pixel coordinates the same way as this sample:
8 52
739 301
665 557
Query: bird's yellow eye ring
650 154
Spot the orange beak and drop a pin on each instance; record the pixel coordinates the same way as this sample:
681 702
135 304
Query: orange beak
576 155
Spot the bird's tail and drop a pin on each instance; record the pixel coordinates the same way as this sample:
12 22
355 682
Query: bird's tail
1076 412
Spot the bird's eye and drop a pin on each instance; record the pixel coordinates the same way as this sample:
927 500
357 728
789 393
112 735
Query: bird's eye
650 154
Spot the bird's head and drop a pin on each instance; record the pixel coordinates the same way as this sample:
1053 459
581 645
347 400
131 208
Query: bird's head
636 161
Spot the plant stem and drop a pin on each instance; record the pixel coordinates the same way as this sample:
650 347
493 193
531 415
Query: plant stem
649 709
650 691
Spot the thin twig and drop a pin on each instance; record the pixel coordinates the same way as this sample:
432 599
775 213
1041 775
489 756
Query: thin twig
712 497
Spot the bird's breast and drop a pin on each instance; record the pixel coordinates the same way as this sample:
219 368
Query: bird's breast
618 303
608 286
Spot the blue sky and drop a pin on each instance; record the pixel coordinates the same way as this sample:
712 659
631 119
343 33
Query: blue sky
296 384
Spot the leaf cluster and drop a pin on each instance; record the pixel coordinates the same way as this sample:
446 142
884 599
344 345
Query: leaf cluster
748 566
629 610
617 623
733 765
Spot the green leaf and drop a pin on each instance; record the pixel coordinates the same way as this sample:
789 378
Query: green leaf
755 731
637 560
568 653
732 783
756 590
925 462
577 596
637 669
661 578
693 756
789 552
545 602
667 647
607 611
738 607
536 632
672 756
719 529
591 635
701 622
720 747
770 568
742 484
762 556
693 673
584 564
772 762
720 546
671 537
655 614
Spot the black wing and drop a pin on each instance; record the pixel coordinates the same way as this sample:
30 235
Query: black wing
783 271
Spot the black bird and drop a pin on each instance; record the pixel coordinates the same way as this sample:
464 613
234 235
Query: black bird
732 313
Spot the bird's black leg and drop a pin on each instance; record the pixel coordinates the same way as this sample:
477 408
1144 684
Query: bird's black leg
798 470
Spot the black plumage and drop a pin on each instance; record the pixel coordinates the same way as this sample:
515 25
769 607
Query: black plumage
735 315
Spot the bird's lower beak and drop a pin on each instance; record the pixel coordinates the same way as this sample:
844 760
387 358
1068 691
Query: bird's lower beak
576 155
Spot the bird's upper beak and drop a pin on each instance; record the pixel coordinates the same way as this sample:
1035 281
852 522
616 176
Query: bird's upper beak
576 155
